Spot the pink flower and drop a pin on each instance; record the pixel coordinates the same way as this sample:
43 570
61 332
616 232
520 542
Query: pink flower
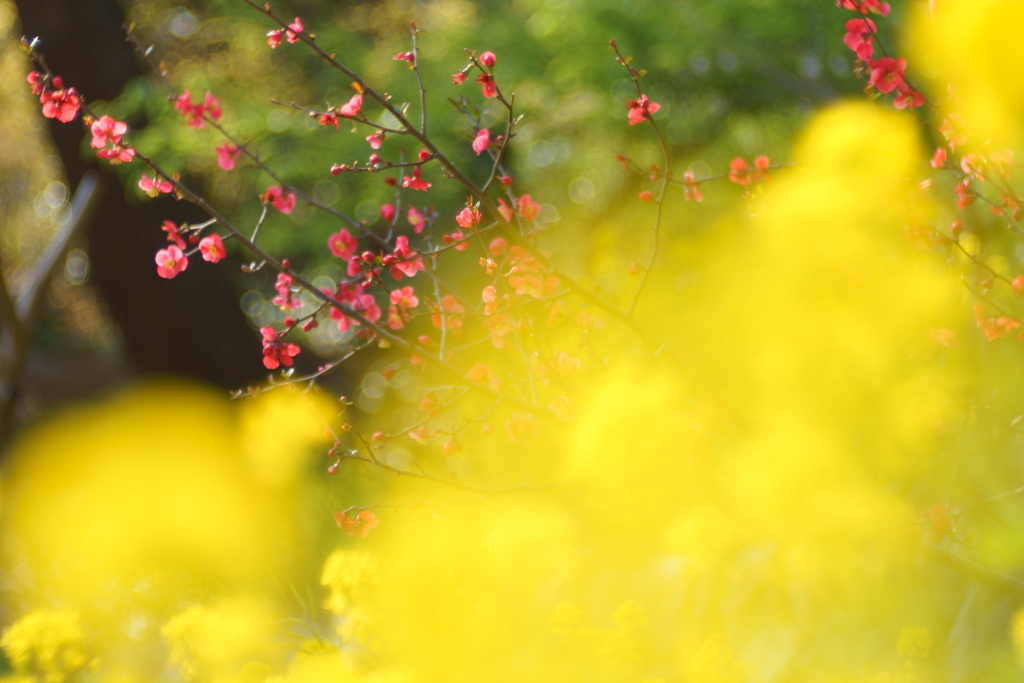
528 208
404 298
939 158
414 181
274 38
488 59
154 186
459 78
275 195
117 154
295 27
387 212
212 248
193 113
406 57
416 220
490 87
640 109
62 105
275 351
342 244
212 106
482 141
329 119
105 129
285 298
887 73
410 263
170 262
376 140
226 155
354 106
858 37
468 217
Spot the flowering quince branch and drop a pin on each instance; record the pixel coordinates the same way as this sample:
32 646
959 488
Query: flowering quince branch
640 109
237 146
490 89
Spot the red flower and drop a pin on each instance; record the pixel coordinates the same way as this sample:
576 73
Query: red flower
274 38
376 140
226 155
38 82
459 78
451 320
887 73
640 109
170 262
104 130
410 263
858 37
212 248
329 119
739 171
193 113
275 351
387 212
908 98
154 186
275 195
406 57
939 158
62 105
353 108
296 27
172 233
482 141
865 6
212 106
359 526
342 244
404 298
285 298
468 217
646 196
117 154
414 181
490 87
528 208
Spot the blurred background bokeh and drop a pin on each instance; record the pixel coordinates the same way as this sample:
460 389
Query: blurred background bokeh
822 488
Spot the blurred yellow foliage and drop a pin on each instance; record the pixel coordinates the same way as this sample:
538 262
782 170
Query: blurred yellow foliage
737 524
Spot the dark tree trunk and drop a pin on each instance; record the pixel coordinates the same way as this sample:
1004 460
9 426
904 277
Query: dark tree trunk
190 326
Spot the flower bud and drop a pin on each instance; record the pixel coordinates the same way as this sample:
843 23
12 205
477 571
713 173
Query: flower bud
336 169
488 59
379 436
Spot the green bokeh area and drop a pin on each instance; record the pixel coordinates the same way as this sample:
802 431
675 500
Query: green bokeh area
732 77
